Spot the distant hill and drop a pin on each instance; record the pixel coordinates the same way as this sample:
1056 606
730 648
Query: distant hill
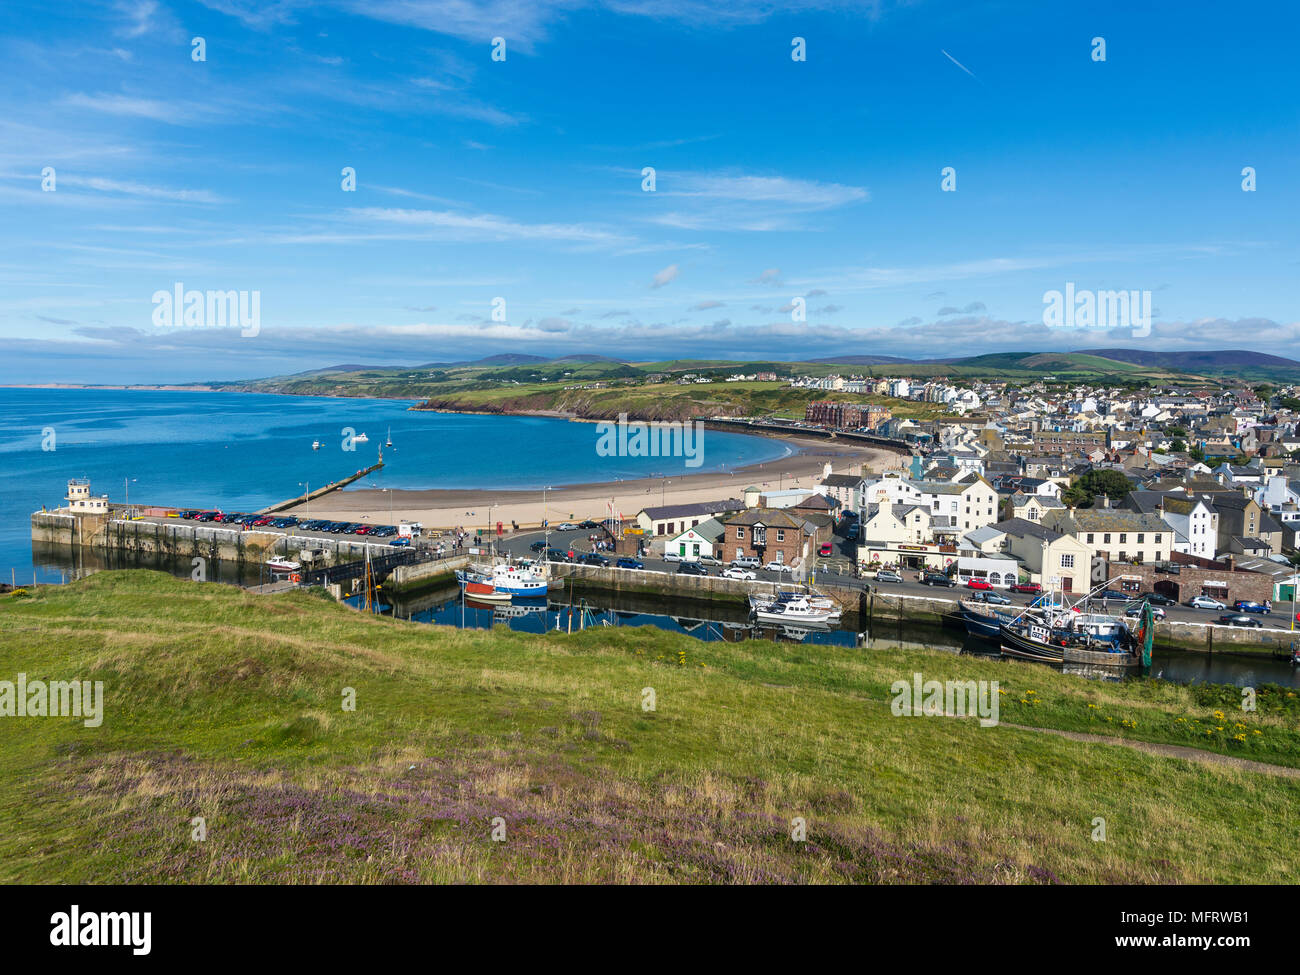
1195 361
863 360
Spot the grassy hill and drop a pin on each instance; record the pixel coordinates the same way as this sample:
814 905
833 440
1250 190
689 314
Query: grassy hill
227 706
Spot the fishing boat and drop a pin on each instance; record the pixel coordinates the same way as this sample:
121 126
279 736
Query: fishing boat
361 438
315 445
513 580
1069 637
794 611
983 620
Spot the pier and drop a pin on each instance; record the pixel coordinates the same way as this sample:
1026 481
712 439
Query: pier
321 492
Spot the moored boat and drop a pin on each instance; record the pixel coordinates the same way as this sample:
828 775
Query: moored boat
982 620
795 611
277 564
513 580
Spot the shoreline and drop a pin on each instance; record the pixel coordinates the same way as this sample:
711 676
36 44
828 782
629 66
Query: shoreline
482 507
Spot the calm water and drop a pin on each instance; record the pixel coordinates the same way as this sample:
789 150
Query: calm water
245 451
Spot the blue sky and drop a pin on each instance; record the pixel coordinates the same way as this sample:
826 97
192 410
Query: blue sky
521 179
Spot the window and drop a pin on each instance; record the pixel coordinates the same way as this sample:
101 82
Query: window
1123 538
1157 539
1067 561
780 535
740 533
1090 538
1105 539
1141 538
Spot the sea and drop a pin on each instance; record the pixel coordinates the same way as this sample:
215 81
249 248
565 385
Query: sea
243 451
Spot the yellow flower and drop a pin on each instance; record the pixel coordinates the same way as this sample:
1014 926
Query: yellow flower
1258 732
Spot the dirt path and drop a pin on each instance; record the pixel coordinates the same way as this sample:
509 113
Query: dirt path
1168 751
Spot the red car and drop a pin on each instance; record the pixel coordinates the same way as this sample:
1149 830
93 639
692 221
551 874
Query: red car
261 521
825 549
1030 587
364 530
978 584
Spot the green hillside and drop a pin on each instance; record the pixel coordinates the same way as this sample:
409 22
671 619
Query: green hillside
227 706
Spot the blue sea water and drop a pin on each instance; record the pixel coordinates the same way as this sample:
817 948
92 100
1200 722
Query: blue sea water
247 450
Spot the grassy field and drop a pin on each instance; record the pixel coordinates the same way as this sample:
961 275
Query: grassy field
228 706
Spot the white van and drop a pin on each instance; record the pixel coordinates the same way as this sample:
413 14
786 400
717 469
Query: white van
409 529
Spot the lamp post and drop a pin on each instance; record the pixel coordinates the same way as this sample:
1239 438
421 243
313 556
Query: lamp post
126 482
546 524
306 499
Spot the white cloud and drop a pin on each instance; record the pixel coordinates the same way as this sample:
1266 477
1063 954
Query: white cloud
666 276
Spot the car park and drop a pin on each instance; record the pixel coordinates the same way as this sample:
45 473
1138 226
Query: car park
888 575
1238 619
936 579
1250 606
627 563
692 569
1205 602
735 572
1032 588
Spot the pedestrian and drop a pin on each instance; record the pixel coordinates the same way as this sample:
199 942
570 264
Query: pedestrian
1268 605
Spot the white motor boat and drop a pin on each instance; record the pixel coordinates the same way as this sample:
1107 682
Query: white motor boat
795 611
361 438
814 599
315 445
277 564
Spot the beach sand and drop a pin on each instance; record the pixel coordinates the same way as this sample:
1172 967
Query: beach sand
575 502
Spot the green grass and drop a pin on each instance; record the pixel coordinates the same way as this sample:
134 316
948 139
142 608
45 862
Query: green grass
227 706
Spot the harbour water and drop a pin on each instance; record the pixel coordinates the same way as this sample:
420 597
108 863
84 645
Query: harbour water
245 450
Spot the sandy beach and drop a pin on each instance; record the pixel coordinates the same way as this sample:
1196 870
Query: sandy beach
482 509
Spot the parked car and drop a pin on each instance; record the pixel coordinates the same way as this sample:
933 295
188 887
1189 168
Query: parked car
974 583
627 563
936 579
826 549
1158 599
735 572
190 515
400 541
692 569
673 557
1205 602
537 546
1250 606
366 530
745 562
1238 619
1032 588
1123 597
591 558
567 526
778 567
888 575
556 555
1136 610
588 524
261 522
991 597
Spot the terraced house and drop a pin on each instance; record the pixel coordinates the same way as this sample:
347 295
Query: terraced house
1116 534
